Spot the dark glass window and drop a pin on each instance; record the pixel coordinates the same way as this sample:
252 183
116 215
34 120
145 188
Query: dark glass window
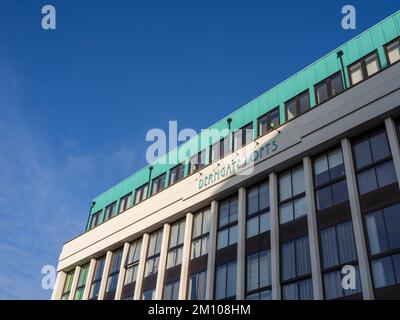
149 294
225 281
113 274
242 136
80 287
171 290
176 173
297 105
386 271
227 222
258 215
197 286
197 162
125 202
98 274
132 262
141 193
175 247
95 219
153 253
333 285
219 149
364 68
110 211
158 183
329 87
268 122
392 50
200 234
67 285
259 276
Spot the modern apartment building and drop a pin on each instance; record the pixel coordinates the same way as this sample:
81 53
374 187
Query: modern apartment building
323 194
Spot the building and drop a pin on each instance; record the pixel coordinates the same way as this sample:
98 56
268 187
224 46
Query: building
323 194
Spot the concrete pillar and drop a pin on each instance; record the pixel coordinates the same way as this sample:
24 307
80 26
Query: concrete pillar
162 262
59 285
104 278
359 236
274 211
241 245
141 267
313 230
187 242
74 283
394 145
89 279
122 271
212 249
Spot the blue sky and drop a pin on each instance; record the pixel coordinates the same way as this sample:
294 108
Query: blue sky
76 102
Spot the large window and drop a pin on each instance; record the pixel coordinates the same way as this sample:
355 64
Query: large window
201 230
80 287
171 290
225 281
98 274
197 161
330 179
258 215
227 222
95 219
176 244
292 201
176 173
259 276
113 274
125 202
110 211
383 229
296 270
141 193
373 162
297 105
338 249
329 87
67 285
158 183
219 149
392 50
197 286
268 122
242 136
132 262
364 68
153 253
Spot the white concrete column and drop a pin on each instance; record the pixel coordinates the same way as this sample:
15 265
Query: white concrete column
187 242
74 284
313 230
212 249
122 271
89 279
365 274
104 278
141 267
241 244
162 262
59 285
394 145
274 211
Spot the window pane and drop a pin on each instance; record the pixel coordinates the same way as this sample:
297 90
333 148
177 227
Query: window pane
252 272
347 249
300 207
288 260
252 198
231 280
263 198
224 214
303 265
285 186
291 110
383 273
339 191
298 180
265 222
324 198
336 163
265 268
222 241
362 154
233 210
393 51
220 282
337 84
232 235
322 93
290 292
305 290
367 181
330 255
356 73
379 146
197 224
206 220
386 174
321 170
372 64
376 233
286 212
252 227
304 102
392 219
333 285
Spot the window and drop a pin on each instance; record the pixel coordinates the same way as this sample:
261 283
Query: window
329 87
158 184
295 267
297 105
98 274
227 223
330 179
197 162
110 211
201 230
268 122
95 219
80 287
259 276
392 51
125 202
132 262
364 68
171 291
153 253
333 285
292 203
197 286
149 294
177 173
113 274
219 149
242 136
141 193
68 285
374 165
225 281
386 271
176 244
258 215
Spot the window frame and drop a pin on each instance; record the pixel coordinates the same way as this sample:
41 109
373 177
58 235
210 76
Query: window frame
158 181
181 224
180 167
108 216
202 235
230 224
127 204
100 261
142 195
242 132
364 67
329 87
267 116
296 99
260 288
134 263
259 212
97 215
201 162
114 273
153 256
385 49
